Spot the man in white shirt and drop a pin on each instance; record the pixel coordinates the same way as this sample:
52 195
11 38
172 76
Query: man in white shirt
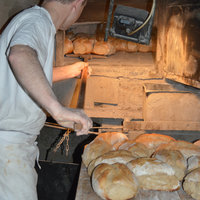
26 50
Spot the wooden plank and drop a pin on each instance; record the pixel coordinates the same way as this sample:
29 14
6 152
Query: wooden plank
85 191
162 125
60 38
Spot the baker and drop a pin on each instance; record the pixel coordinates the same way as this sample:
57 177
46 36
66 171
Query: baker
26 59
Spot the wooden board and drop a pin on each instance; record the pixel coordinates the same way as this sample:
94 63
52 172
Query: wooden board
85 192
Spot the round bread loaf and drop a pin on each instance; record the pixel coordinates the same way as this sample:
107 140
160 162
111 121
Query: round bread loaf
186 148
114 182
103 48
175 159
138 150
193 162
120 45
68 46
197 143
153 140
83 45
191 184
153 174
111 157
112 138
132 47
94 149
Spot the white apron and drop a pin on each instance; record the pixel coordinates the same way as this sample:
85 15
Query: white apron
18 178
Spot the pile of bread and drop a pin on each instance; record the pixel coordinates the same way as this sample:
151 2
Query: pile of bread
119 167
84 44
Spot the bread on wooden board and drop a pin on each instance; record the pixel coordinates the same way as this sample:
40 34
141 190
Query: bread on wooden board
191 183
186 148
114 182
193 162
175 159
111 157
153 174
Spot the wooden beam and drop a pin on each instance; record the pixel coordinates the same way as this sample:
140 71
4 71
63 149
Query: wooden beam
162 125
60 42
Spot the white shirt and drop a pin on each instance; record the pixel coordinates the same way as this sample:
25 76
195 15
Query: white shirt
32 27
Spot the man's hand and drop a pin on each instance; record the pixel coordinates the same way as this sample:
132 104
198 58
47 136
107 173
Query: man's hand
74 115
69 71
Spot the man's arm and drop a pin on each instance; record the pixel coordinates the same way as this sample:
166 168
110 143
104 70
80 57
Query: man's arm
29 73
68 71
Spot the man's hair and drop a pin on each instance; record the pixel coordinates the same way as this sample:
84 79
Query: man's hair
64 1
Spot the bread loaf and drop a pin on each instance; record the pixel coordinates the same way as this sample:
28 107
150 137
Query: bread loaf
94 149
193 162
120 45
68 46
83 45
111 157
175 159
186 148
112 138
138 150
103 48
114 182
132 47
153 174
152 141
191 184
197 143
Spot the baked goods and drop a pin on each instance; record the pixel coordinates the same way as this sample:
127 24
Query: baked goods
94 149
103 143
138 150
193 162
111 157
68 46
132 47
120 45
153 140
197 143
103 48
114 182
83 45
153 174
186 148
173 158
191 184
112 138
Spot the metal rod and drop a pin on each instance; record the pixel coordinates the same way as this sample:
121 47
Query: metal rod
63 128
108 20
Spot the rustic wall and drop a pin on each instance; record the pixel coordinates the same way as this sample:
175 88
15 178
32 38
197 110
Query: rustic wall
8 8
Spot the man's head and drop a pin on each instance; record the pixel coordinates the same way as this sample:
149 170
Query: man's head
64 12
65 1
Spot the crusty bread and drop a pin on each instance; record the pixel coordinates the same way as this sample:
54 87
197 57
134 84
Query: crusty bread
138 150
175 159
197 143
132 47
103 48
114 182
94 149
68 46
111 157
153 140
191 184
193 162
186 148
112 138
83 45
153 174
120 45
